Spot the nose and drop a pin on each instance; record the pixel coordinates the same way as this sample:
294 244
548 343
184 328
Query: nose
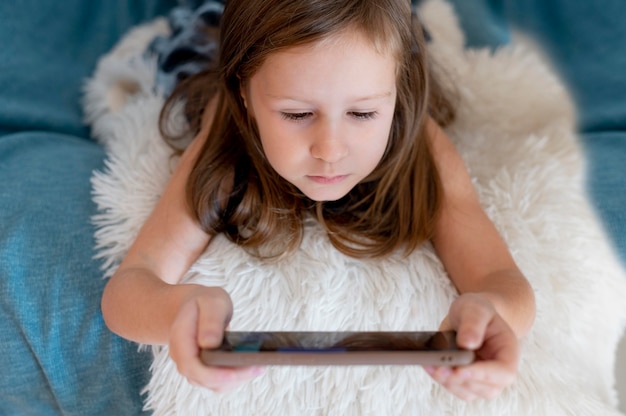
329 146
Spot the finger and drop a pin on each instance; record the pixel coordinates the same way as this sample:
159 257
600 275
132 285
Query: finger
469 385
480 328
482 390
471 390
451 382
471 319
500 351
494 373
183 335
222 379
213 317
461 392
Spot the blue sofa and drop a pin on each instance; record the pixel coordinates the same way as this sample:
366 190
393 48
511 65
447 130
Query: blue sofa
56 355
586 44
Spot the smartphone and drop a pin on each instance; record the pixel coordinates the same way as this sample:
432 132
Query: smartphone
337 348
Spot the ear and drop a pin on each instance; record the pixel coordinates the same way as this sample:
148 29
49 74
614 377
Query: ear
243 92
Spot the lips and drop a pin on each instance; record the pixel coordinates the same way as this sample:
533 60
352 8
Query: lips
327 180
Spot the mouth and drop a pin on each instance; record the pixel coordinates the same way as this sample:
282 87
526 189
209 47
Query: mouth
327 180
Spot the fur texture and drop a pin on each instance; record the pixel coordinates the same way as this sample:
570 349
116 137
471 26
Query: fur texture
515 130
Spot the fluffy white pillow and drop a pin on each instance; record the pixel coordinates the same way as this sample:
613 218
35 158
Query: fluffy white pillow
515 130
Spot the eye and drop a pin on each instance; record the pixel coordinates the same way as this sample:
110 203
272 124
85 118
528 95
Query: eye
363 116
296 116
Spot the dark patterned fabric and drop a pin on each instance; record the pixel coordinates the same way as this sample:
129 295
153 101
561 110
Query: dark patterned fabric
192 45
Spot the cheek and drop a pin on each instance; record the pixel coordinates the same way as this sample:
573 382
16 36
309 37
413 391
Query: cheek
270 138
279 150
378 144
265 132
272 150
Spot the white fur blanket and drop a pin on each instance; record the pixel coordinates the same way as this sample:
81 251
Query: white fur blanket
515 130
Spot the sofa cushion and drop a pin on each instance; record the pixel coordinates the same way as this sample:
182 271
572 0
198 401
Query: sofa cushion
586 44
483 22
606 182
56 355
48 48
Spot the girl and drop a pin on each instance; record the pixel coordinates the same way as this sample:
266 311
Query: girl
328 109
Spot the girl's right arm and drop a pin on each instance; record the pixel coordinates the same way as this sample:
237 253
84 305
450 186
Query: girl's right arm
144 300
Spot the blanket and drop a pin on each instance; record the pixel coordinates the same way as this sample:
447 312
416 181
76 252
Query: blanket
516 132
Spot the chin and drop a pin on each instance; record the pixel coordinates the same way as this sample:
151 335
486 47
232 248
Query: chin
325 195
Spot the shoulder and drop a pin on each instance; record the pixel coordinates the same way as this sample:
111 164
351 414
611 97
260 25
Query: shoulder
453 173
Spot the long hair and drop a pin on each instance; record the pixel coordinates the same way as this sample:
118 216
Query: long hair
395 206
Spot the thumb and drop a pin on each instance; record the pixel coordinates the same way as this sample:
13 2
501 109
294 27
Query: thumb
470 316
213 317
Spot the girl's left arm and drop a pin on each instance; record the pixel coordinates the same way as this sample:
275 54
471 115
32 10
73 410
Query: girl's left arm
496 306
473 253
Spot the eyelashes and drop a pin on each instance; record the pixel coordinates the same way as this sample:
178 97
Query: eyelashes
296 116
364 116
357 115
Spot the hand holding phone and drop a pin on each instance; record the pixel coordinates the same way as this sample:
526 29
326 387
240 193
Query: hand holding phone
337 348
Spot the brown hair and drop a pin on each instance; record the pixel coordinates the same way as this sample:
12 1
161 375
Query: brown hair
395 206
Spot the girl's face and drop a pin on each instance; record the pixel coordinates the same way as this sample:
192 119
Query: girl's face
324 112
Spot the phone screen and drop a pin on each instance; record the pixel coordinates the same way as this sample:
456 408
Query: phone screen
337 348
336 341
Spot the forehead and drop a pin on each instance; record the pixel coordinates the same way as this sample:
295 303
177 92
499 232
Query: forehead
347 63
383 41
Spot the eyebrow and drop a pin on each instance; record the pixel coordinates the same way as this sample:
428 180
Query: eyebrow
374 96
356 100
